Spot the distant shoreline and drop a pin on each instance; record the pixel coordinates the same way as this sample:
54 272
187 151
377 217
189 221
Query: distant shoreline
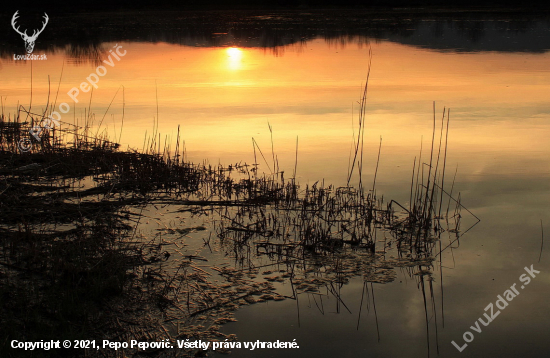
80 34
220 5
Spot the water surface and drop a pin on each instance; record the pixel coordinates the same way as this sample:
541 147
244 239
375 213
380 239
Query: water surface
221 95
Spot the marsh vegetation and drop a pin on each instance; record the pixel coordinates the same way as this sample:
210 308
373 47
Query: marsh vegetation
81 258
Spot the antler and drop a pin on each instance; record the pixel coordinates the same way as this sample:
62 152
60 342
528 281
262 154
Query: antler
15 17
35 33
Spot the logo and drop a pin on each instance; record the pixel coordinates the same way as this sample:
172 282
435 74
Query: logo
29 40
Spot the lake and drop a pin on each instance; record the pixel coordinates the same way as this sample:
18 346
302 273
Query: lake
291 82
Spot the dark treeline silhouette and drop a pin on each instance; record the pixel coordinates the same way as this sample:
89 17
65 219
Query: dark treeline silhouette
99 5
80 35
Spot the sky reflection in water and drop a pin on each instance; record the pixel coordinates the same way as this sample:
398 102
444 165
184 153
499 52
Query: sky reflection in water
499 130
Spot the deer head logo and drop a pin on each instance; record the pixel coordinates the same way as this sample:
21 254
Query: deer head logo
29 40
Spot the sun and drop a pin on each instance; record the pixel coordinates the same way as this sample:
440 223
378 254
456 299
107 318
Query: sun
235 56
234 53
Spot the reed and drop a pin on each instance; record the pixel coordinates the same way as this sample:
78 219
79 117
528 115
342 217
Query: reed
72 205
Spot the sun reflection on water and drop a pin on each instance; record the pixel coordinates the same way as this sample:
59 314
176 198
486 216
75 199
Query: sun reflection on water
235 56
